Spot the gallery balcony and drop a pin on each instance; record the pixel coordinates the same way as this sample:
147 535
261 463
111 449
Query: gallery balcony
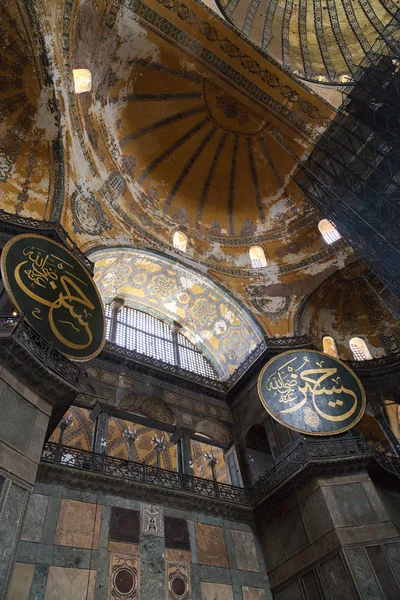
307 458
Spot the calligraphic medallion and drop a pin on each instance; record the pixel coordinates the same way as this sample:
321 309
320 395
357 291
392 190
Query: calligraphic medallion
311 392
55 293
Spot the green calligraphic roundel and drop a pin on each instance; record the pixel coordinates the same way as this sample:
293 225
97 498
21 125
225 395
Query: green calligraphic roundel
311 392
56 294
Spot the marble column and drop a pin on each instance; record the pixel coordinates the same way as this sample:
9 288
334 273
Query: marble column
116 306
100 432
186 454
23 424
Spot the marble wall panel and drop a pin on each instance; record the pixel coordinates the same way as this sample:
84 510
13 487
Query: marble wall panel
245 551
393 552
211 549
362 573
176 533
316 515
69 584
12 512
178 581
17 419
216 591
178 555
152 565
336 580
251 593
272 545
34 518
124 577
293 532
292 591
354 505
78 524
21 581
124 548
125 525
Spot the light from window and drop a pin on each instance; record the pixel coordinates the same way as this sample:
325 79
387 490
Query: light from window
359 349
328 231
143 333
180 241
82 80
329 346
257 257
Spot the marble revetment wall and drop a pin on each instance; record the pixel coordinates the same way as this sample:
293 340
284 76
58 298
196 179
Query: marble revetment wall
77 545
23 423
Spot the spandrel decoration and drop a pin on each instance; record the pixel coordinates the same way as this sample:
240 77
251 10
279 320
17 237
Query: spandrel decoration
55 293
311 392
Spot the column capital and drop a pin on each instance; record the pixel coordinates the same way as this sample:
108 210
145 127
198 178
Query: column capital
117 303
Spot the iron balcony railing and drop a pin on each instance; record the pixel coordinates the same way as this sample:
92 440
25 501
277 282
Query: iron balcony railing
141 473
305 453
21 332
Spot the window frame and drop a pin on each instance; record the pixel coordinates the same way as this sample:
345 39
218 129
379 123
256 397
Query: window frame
173 348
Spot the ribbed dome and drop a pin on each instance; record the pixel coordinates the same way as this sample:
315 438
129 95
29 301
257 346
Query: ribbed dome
320 40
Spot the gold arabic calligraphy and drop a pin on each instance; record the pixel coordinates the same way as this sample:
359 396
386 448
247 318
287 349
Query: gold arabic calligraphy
40 271
296 384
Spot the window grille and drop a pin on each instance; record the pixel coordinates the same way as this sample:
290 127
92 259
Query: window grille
108 315
257 257
117 183
328 231
390 341
359 349
143 333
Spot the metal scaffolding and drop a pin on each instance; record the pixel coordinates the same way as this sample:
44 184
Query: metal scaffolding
353 172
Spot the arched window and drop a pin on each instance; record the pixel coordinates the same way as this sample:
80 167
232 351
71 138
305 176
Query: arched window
180 241
329 346
328 231
82 80
257 257
143 333
359 349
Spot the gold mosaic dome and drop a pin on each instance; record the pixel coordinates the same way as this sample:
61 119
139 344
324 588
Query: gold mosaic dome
319 40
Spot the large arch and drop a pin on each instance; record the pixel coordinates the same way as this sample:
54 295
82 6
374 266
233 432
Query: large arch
344 306
210 318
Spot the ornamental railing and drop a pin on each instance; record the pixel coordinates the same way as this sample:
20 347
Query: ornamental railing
20 331
156 363
304 454
141 473
360 366
272 344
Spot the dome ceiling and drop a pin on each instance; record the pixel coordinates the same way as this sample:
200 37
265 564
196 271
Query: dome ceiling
206 159
28 128
319 40
186 127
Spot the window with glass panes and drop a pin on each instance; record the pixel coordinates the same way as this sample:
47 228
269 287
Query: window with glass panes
139 331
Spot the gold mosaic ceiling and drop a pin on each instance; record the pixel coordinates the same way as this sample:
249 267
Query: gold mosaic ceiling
320 40
186 126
